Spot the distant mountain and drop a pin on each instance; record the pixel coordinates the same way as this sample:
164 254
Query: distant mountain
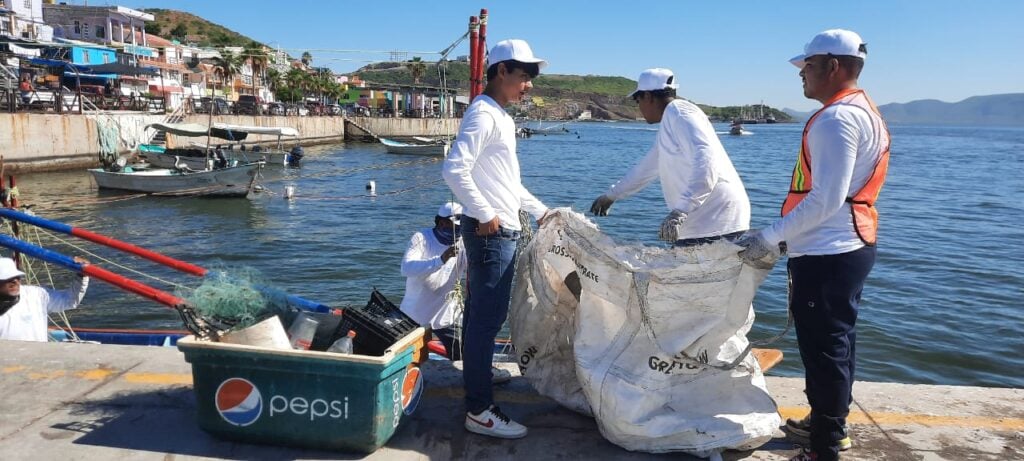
996 109
797 115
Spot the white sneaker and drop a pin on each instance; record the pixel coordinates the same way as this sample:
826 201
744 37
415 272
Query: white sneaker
499 376
494 423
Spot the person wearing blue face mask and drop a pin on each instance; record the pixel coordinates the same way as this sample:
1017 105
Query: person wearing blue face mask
434 261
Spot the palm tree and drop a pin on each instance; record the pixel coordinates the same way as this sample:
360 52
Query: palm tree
307 58
231 65
297 81
257 57
417 68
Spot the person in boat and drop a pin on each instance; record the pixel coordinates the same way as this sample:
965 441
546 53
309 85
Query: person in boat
703 192
24 309
482 170
433 263
829 229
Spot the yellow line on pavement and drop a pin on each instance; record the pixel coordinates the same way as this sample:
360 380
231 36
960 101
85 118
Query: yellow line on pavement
903 419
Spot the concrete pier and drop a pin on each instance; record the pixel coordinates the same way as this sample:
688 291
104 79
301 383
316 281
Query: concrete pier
49 142
93 402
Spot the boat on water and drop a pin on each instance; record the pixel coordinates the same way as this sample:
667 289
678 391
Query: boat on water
195 156
231 181
432 148
736 129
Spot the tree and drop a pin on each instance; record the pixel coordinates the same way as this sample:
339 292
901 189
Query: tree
417 68
230 65
257 57
307 58
153 28
179 31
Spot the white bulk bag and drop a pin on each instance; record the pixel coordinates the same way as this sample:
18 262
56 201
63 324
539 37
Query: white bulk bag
650 341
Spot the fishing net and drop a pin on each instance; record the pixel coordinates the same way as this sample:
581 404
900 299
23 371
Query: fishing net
229 300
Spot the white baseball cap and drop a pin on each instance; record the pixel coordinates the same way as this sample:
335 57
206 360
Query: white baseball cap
450 210
9 270
836 42
516 50
654 80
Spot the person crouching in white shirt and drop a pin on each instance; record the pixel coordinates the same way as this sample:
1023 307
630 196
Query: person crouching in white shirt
24 309
703 192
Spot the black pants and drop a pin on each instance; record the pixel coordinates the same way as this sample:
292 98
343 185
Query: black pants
824 299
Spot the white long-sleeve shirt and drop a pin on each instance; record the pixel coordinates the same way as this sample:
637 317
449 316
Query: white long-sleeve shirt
27 320
429 280
482 168
844 151
697 177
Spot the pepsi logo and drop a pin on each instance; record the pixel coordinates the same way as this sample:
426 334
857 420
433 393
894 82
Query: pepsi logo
239 402
412 390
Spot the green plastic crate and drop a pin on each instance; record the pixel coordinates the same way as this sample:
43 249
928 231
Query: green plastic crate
301 398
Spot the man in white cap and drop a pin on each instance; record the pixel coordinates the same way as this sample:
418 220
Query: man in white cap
482 171
24 309
829 226
433 263
703 192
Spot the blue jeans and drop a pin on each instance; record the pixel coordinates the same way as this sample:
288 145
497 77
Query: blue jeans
824 300
491 265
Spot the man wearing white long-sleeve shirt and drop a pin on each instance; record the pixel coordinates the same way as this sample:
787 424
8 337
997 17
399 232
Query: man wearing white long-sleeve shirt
24 309
703 192
482 171
431 266
829 225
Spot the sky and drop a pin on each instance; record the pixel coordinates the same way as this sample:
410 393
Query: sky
723 53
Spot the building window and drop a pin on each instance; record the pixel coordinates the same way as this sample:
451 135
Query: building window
28 4
78 28
100 33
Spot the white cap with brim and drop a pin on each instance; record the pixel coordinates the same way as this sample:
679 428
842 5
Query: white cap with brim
450 210
654 80
836 42
9 270
515 50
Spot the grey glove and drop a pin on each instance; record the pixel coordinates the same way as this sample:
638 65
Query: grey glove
601 205
757 252
671 226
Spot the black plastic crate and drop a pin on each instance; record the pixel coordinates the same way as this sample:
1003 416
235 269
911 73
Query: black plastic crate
378 325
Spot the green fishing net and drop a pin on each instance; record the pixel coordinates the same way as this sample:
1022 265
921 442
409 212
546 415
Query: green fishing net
234 299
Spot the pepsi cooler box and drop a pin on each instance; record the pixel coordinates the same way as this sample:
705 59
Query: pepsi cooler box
304 399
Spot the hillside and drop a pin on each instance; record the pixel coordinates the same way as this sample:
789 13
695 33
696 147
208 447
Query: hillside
996 109
187 27
561 96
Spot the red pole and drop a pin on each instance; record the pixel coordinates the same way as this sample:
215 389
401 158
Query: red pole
14 225
481 51
474 44
127 284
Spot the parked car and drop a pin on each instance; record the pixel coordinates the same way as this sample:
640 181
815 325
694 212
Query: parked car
276 108
333 109
249 104
315 108
218 105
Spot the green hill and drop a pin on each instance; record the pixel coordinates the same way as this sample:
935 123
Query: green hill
187 27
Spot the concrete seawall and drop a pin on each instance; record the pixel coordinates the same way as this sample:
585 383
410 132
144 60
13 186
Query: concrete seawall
49 142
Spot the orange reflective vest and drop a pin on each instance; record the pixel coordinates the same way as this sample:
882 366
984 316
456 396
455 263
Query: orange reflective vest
862 204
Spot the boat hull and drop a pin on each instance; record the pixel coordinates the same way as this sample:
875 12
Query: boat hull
436 150
233 182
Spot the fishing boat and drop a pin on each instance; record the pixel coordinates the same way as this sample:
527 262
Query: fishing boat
195 155
436 148
540 129
231 181
736 129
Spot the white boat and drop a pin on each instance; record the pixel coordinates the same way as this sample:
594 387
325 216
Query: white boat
231 181
439 149
196 158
